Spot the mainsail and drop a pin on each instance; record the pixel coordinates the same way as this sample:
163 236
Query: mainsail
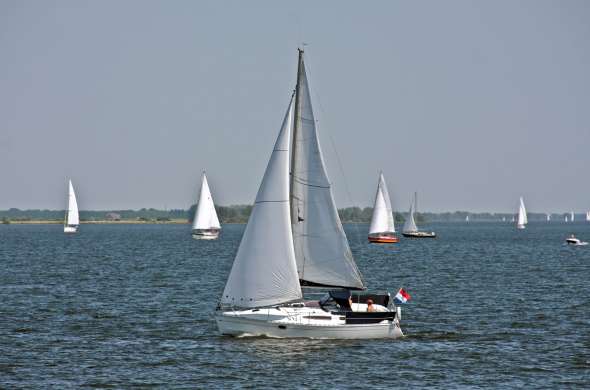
321 248
264 271
382 220
205 215
522 218
72 218
410 224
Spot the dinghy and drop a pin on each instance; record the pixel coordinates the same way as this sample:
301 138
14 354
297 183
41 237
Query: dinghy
72 218
410 229
293 238
522 218
205 224
382 229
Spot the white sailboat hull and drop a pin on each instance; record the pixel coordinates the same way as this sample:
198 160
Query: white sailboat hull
70 229
520 226
293 323
205 234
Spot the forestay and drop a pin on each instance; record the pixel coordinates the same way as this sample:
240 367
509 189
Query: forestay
73 217
321 248
382 220
205 215
264 271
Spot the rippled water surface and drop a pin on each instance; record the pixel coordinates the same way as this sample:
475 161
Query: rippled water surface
129 306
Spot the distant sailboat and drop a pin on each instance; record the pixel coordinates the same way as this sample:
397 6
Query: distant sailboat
522 218
72 219
467 218
572 216
205 224
410 229
566 219
503 219
382 229
588 216
548 217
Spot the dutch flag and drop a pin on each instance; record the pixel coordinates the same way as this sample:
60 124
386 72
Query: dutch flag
401 297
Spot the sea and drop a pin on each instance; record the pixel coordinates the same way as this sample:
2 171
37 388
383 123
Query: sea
130 307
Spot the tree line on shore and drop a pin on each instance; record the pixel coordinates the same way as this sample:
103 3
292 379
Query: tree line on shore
240 214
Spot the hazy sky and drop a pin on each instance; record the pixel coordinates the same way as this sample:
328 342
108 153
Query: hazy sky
470 103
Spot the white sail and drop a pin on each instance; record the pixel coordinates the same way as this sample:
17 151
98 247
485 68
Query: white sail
522 218
410 224
321 248
264 271
548 217
572 216
467 218
588 216
205 214
382 220
72 218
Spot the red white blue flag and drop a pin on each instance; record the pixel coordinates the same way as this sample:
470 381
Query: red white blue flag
402 296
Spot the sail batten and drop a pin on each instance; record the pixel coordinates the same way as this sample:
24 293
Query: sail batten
321 247
264 271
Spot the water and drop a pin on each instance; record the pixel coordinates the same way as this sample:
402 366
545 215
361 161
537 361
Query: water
128 306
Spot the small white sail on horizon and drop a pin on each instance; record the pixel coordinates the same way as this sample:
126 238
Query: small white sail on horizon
72 219
588 216
548 217
572 216
467 218
205 223
522 217
410 223
382 220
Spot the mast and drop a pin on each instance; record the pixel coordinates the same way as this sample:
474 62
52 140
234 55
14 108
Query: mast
296 125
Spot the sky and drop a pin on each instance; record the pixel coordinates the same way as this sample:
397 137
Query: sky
472 104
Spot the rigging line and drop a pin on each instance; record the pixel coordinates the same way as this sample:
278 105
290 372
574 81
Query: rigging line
346 187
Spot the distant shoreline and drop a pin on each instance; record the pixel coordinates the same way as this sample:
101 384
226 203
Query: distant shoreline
101 222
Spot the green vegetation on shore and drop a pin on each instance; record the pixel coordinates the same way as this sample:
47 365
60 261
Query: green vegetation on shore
230 214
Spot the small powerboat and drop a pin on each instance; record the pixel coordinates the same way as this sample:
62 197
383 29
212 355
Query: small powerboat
572 240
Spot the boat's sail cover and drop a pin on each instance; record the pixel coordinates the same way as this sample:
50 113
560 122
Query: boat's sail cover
72 218
264 271
205 215
382 220
522 218
410 224
321 248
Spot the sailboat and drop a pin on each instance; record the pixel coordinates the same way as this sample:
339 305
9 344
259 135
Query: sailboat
72 219
467 218
382 229
410 229
572 216
566 218
588 216
205 224
548 217
522 218
294 238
